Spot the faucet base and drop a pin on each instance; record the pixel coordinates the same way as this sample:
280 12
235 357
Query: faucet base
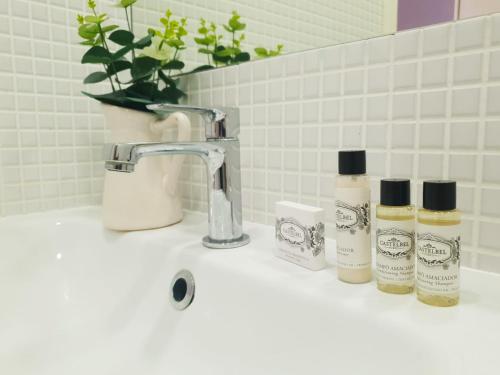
226 244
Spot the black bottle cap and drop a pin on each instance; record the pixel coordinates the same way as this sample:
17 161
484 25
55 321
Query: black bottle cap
440 195
395 192
352 162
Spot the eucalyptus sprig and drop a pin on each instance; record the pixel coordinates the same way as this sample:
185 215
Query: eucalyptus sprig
211 43
220 53
263 52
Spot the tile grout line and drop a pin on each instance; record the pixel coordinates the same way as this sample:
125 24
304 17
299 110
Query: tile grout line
480 146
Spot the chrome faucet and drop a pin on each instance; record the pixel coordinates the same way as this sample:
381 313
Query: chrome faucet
221 154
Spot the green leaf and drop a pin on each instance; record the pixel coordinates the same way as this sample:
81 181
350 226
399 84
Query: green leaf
172 94
227 28
174 64
236 25
109 28
121 37
89 42
143 90
103 17
175 43
122 52
126 3
144 42
242 57
203 41
88 31
227 51
95 77
206 51
261 52
96 55
166 79
118 66
277 51
219 58
120 99
164 21
201 68
92 19
143 66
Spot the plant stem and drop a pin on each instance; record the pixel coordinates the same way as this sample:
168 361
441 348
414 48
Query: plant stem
229 62
157 78
215 49
109 77
131 19
129 24
175 55
103 38
126 17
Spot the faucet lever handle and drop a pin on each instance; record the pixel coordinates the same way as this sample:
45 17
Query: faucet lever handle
222 122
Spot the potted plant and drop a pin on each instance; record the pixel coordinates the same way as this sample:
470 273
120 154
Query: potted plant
142 71
145 70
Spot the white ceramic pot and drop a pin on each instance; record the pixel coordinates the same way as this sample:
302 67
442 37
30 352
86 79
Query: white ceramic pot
147 198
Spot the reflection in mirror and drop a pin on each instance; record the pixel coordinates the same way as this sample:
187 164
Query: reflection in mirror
278 26
275 27
145 46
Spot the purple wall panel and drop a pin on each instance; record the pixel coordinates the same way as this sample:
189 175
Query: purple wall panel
418 13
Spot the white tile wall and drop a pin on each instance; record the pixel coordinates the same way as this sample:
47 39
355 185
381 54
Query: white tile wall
424 103
51 135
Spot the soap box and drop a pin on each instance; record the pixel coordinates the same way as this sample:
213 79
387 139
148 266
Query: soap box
300 234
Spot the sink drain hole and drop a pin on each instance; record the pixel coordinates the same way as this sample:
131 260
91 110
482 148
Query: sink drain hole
179 290
182 290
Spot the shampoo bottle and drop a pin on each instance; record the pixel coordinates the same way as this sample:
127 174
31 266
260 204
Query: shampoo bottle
395 237
438 245
352 210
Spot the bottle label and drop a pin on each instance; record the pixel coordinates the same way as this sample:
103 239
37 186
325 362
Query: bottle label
395 251
438 259
352 210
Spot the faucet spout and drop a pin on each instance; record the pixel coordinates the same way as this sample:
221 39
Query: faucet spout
123 157
222 160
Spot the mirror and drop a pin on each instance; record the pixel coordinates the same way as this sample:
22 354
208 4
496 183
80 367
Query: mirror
306 24
176 38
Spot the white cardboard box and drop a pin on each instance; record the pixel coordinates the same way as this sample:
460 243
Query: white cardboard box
300 234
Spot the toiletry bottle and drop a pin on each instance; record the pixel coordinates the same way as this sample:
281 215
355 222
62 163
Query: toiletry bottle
438 245
352 210
395 237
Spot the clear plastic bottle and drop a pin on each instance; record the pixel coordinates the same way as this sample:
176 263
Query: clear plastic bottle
352 209
395 238
438 245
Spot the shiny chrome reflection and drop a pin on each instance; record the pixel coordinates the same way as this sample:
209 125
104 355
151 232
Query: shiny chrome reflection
221 155
182 290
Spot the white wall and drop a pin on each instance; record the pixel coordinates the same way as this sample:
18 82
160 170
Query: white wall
425 104
51 135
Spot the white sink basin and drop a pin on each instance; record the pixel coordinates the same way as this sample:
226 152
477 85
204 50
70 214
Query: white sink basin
78 299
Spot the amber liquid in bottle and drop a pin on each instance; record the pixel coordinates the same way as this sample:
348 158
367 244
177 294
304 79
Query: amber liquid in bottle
448 221
396 275
438 245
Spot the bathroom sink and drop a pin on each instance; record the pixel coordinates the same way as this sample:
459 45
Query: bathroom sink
79 299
